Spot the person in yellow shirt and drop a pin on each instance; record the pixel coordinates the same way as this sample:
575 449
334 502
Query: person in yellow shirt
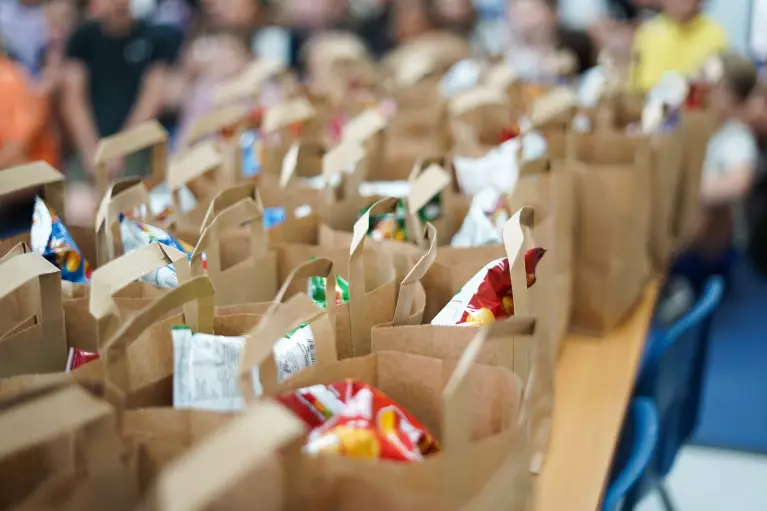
680 39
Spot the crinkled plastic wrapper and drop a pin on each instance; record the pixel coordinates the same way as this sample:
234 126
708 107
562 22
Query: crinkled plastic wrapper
206 367
391 226
136 235
488 295
50 238
484 222
354 419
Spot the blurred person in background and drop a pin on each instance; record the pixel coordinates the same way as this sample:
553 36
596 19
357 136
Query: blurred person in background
537 38
25 136
728 175
22 30
680 39
114 79
615 33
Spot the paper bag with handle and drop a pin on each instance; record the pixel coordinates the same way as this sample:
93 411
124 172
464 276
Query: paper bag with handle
370 274
148 135
284 124
203 161
547 184
242 267
128 197
54 434
473 408
612 226
34 340
528 348
41 178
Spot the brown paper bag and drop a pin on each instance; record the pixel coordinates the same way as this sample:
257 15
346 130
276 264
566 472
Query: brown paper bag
147 135
34 178
528 347
612 204
233 467
280 133
137 361
241 276
476 419
36 340
53 432
82 330
548 185
123 197
427 179
697 128
202 163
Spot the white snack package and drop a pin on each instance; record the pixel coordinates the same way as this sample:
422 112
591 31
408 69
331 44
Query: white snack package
160 199
498 168
464 75
398 189
478 229
667 96
591 86
205 367
135 235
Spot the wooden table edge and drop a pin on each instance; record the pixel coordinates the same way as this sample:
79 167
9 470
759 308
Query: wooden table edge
595 379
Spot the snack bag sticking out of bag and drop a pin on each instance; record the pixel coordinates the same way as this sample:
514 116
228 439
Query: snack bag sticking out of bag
250 144
484 222
359 421
51 239
488 295
135 235
317 291
391 226
78 358
205 366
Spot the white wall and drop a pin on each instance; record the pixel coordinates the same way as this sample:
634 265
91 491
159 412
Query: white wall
733 14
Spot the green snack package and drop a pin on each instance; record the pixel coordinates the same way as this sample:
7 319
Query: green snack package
391 226
317 291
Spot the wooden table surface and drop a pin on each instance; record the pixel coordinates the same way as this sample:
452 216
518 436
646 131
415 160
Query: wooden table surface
595 377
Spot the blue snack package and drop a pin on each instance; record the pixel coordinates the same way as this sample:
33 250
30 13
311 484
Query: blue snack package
250 146
137 235
51 239
273 216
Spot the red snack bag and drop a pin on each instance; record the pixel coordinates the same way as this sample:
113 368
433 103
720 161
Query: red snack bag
367 424
79 358
488 294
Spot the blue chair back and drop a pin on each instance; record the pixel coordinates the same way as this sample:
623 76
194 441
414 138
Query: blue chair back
672 375
635 450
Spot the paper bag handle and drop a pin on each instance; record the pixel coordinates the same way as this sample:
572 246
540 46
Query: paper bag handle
244 212
407 288
247 441
318 267
456 428
34 175
517 239
109 279
124 196
17 271
18 249
192 164
145 135
358 306
114 352
427 179
56 412
278 321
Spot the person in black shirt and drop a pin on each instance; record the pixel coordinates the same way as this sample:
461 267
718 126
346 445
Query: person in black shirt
756 202
114 79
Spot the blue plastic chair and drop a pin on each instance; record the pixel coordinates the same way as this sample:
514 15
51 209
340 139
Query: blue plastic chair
672 377
634 453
